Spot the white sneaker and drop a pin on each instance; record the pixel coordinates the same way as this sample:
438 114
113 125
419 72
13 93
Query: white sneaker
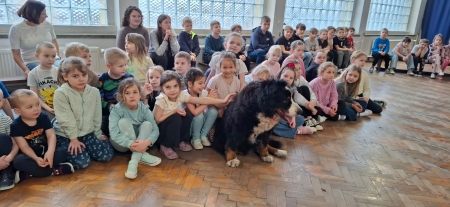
131 172
440 72
433 76
391 71
316 125
205 141
322 119
367 112
386 71
410 72
342 117
196 143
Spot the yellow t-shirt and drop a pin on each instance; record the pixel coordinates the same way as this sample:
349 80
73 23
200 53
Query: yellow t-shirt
139 68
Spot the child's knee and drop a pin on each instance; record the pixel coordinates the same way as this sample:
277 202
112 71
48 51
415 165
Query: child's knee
212 112
80 161
147 125
199 117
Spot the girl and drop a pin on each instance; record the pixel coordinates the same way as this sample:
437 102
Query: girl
436 55
233 43
132 23
204 116
260 73
347 87
138 62
174 123
297 49
359 58
273 56
152 86
82 51
133 126
163 43
78 114
446 60
319 57
325 90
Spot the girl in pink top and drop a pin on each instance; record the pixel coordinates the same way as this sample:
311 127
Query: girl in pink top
327 97
446 60
273 56
436 55
297 49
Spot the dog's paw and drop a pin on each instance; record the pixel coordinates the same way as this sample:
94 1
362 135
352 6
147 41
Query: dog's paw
281 153
267 158
233 163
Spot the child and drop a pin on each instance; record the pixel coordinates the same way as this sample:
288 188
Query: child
78 111
182 64
6 106
380 49
39 156
311 72
419 54
260 73
82 51
153 80
299 34
238 28
323 44
297 48
343 53
311 44
347 87
226 82
359 58
188 41
8 150
350 41
42 79
272 63
446 60
403 52
436 55
133 126
285 42
213 42
174 123
325 90
116 62
163 43
330 36
233 43
5 121
138 61
345 33
261 41
204 116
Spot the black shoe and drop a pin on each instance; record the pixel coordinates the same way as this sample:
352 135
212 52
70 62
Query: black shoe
7 181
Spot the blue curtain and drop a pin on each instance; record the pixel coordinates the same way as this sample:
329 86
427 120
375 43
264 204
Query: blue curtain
436 20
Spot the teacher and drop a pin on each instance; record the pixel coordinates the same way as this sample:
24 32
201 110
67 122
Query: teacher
132 23
25 35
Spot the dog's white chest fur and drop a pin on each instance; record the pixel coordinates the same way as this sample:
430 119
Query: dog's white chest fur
265 124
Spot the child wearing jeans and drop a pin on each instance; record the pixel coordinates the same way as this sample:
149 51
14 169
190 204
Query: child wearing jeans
380 50
402 51
419 55
312 71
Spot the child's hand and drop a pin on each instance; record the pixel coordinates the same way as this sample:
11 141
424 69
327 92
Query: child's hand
148 89
242 57
140 146
229 98
40 162
51 111
332 113
364 98
213 94
3 162
334 108
314 111
181 112
48 158
357 107
193 58
75 147
103 138
168 34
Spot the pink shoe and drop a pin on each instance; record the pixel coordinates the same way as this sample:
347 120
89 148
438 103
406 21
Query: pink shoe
304 130
439 77
168 152
185 147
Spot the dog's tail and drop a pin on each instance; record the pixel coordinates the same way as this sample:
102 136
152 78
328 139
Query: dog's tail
275 143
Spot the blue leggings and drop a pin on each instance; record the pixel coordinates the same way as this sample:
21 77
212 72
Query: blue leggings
282 129
202 123
98 150
351 114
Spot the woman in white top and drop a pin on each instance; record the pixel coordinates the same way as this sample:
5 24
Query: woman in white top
25 35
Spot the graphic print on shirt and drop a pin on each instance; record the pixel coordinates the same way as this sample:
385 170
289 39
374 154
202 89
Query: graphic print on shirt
36 137
381 47
48 94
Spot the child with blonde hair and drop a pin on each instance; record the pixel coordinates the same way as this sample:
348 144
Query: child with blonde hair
297 49
260 73
273 56
436 55
82 51
138 62
151 87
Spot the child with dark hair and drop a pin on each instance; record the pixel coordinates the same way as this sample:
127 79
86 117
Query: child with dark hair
402 51
132 23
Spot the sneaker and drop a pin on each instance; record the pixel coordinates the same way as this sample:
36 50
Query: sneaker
321 119
367 112
7 181
440 73
342 117
416 74
185 147
381 102
340 71
433 76
168 152
197 144
386 71
149 159
371 69
392 71
131 172
21 176
304 130
419 74
205 141
316 125
63 169
410 72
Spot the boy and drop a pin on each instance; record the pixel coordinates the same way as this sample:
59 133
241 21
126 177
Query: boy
330 36
213 42
33 132
300 32
182 64
402 51
6 106
43 80
8 150
311 44
323 44
116 62
343 53
285 43
351 43
419 54
260 41
380 50
188 40
238 28
82 51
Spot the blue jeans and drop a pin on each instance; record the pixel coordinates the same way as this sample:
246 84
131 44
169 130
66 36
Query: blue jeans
283 129
307 59
257 56
395 59
202 123
351 114
31 66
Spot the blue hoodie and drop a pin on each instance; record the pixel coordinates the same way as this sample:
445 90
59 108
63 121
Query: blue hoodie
381 45
260 40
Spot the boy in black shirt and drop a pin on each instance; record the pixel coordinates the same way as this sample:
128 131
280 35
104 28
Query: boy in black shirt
343 53
285 43
323 44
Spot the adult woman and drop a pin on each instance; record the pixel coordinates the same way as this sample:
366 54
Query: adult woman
25 35
163 43
132 23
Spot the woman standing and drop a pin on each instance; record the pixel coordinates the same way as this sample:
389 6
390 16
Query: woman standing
163 43
132 23
25 35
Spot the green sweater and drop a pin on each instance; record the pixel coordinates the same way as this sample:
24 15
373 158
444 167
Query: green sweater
77 114
141 114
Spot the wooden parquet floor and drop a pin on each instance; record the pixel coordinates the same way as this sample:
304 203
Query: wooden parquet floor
399 158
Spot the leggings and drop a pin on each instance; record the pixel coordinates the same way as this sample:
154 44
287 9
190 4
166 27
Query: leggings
305 92
340 111
175 129
202 123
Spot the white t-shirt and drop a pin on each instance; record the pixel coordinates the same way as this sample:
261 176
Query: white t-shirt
45 81
311 46
202 95
25 38
163 101
223 89
215 64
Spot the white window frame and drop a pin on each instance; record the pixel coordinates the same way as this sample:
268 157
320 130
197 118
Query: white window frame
391 5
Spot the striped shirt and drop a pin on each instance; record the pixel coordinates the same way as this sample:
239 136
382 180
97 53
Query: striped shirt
326 94
5 122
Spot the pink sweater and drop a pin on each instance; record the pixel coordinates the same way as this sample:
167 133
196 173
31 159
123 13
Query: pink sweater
326 94
274 69
302 65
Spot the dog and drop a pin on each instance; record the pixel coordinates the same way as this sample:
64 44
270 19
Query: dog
249 119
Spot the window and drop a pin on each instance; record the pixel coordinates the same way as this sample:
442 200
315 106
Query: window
318 14
390 14
60 12
202 12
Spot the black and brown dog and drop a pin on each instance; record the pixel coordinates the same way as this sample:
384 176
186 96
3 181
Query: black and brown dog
248 121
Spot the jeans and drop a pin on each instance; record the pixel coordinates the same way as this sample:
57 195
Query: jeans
32 65
307 59
202 123
374 107
283 129
257 56
343 59
395 59
351 114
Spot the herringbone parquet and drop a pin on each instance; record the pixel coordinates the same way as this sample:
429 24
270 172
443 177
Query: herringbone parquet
399 158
